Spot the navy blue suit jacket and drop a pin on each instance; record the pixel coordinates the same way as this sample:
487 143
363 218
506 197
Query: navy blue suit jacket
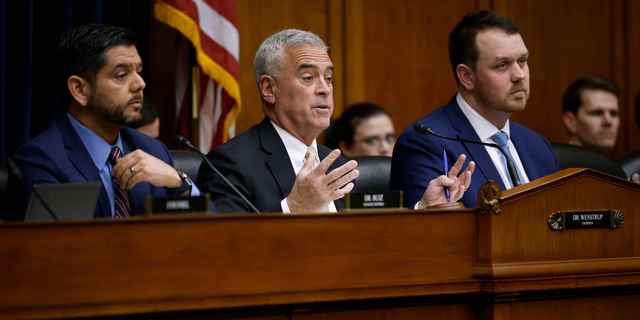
258 165
417 159
59 156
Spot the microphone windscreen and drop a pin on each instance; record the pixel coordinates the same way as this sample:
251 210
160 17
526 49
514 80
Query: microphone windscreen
421 128
181 141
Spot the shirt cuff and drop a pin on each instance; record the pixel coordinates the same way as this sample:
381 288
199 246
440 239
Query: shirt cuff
285 206
194 190
416 206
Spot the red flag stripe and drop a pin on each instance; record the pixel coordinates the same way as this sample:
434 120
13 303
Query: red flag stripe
220 55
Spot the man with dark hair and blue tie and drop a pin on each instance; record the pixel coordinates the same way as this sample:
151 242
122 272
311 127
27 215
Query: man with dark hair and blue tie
490 64
98 75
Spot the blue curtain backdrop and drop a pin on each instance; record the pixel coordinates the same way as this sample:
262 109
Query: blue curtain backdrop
29 34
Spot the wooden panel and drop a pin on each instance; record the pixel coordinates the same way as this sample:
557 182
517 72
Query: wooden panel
619 70
231 261
355 52
406 60
565 45
438 263
632 67
557 282
535 250
257 20
594 308
337 49
445 312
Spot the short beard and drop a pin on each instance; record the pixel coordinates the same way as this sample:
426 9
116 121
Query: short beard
108 110
502 103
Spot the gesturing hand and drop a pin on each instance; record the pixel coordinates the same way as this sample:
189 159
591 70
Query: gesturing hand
147 168
457 185
314 189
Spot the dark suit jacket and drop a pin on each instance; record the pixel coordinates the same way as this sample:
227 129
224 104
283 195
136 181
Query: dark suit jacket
417 159
258 165
59 156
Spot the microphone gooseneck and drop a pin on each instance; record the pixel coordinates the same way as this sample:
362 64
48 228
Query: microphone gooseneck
184 143
515 179
16 173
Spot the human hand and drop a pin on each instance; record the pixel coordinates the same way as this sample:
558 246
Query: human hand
314 189
457 185
147 168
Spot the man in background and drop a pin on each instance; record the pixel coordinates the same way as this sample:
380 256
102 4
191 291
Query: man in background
591 114
490 64
149 123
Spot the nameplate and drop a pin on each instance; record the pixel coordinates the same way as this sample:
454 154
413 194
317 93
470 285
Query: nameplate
177 205
366 201
610 219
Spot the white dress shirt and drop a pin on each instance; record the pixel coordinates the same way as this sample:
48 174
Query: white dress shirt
485 131
296 150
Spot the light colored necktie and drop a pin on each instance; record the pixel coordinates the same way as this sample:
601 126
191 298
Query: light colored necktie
312 152
501 139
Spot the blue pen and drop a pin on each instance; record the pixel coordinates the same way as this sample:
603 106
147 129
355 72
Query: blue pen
446 168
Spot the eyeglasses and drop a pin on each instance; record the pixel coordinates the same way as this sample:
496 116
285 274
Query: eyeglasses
376 141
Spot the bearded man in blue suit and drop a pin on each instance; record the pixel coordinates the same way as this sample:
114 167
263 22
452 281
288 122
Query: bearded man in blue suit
98 74
489 60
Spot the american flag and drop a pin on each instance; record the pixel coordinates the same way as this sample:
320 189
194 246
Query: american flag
212 89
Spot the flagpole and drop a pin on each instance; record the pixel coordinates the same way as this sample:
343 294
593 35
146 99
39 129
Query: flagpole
195 105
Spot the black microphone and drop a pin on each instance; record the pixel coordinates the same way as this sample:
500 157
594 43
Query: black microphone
16 173
184 143
420 128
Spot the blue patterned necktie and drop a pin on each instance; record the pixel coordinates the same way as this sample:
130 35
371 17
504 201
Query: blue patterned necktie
501 139
120 195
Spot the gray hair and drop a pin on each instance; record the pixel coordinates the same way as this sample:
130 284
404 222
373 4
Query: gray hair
270 56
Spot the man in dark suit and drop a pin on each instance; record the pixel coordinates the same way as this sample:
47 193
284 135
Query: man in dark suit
489 61
268 163
591 114
98 78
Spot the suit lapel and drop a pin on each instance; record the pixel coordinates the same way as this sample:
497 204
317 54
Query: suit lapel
478 153
278 159
80 158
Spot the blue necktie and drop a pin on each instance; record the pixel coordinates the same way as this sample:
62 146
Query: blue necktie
501 139
120 195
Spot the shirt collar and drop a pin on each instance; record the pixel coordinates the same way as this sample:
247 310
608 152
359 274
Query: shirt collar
295 148
482 126
98 148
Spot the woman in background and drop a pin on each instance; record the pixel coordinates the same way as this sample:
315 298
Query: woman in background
365 129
